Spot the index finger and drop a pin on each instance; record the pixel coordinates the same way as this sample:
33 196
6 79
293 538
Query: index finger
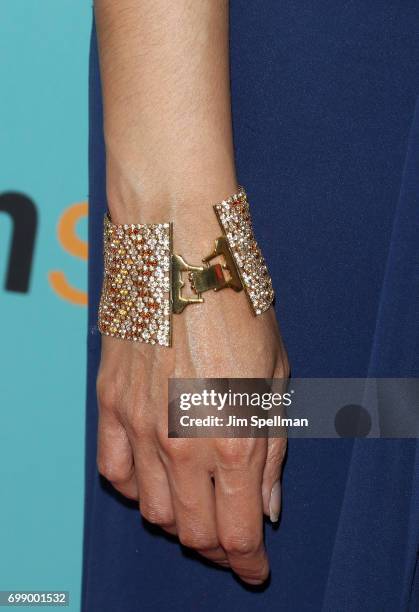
239 511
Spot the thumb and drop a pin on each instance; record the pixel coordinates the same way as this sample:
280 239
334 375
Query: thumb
277 447
271 486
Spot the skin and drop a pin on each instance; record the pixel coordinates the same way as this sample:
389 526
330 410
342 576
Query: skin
170 156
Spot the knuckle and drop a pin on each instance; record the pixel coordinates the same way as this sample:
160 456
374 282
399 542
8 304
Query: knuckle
107 395
156 516
139 428
177 450
206 544
115 474
235 452
197 541
239 545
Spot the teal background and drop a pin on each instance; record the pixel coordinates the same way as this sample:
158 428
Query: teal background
43 153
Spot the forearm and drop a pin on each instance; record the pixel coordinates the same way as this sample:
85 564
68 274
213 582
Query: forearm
167 122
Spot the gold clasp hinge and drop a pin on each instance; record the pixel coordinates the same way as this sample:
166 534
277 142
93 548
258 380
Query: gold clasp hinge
203 278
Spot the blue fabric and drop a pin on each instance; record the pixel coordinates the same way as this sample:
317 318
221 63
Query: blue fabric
327 144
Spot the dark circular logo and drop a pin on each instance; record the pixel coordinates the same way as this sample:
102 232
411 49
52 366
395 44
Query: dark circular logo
352 421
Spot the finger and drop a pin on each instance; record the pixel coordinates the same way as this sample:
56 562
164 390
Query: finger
193 501
114 454
271 487
155 501
239 511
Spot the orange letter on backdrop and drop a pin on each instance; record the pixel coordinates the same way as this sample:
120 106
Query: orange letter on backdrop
72 244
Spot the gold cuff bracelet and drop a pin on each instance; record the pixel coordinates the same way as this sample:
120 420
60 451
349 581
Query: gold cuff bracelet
144 279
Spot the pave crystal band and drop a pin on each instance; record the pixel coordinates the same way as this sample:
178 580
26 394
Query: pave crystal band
135 303
234 217
144 280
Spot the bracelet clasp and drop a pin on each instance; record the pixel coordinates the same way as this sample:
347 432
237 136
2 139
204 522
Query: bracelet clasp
204 278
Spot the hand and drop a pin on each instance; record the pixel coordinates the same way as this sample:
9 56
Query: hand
211 493
169 155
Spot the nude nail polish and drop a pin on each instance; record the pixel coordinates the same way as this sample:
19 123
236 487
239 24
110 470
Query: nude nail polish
275 502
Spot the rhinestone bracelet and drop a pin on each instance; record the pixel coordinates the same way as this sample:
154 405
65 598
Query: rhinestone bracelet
144 280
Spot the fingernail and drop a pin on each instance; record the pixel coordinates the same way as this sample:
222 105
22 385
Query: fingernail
275 502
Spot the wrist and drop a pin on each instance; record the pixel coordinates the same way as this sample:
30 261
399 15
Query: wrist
186 201
144 278
144 186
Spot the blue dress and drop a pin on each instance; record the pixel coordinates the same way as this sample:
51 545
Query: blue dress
326 132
